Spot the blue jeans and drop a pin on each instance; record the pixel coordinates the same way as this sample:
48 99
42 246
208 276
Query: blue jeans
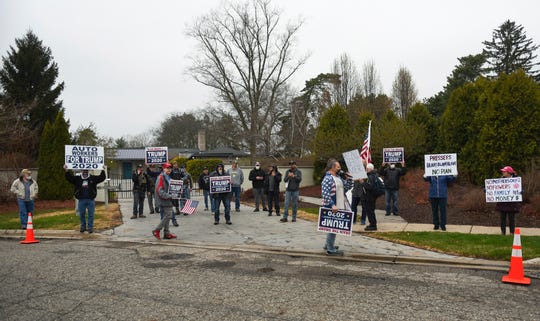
90 205
330 240
291 196
206 195
24 208
438 206
391 198
236 190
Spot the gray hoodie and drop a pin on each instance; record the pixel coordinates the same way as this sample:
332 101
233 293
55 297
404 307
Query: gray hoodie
237 176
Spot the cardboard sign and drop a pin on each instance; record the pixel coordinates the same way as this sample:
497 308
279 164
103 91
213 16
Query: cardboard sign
84 157
440 164
156 155
503 190
354 164
176 187
339 222
220 184
393 155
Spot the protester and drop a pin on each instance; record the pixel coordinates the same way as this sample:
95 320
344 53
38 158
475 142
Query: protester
140 186
237 178
219 198
333 189
271 188
164 200
256 176
85 191
152 173
508 209
187 182
358 198
204 184
438 197
391 175
26 190
293 177
177 174
370 197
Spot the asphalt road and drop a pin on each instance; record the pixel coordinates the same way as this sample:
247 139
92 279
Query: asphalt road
113 280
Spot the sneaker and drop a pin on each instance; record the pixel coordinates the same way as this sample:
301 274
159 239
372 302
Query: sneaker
206 209
443 228
216 222
335 247
238 210
335 253
169 236
156 234
133 217
362 222
185 214
387 214
436 227
256 210
293 220
152 212
269 213
90 231
283 220
82 229
395 214
265 209
175 223
142 216
370 228
277 214
228 223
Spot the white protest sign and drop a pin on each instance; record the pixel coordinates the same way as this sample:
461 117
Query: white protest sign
84 157
156 155
503 190
354 164
440 164
393 155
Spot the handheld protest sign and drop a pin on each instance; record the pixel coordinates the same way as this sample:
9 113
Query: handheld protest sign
440 164
354 164
339 222
156 155
176 187
503 190
220 184
84 157
393 155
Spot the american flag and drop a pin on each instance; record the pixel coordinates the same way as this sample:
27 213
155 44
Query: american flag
190 207
366 153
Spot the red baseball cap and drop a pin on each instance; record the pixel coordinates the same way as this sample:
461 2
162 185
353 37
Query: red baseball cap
507 169
167 165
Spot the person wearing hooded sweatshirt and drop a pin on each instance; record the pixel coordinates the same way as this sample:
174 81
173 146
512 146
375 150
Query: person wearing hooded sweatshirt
26 189
508 209
257 176
85 191
438 197
164 201
224 198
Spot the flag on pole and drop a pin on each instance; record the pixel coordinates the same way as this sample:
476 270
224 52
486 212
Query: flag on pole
366 153
189 207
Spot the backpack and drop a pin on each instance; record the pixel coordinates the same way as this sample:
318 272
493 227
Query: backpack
378 188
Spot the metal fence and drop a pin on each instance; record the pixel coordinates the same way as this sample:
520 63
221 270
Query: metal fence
120 188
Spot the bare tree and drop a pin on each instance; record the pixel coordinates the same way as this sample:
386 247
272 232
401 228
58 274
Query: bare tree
346 89
404 93
370 85
246 56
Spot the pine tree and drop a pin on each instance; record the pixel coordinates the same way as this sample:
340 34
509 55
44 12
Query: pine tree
52 182
510 50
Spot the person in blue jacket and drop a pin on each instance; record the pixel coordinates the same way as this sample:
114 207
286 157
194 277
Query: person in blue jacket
438 197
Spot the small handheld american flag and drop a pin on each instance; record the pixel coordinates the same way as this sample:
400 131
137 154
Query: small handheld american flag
189 207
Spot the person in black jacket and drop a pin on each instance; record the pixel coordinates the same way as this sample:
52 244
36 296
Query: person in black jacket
221 197
256 176
391 175
508 209
204 184
370 197
85 191
271 188
140 186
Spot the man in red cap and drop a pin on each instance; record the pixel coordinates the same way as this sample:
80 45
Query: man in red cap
164 200
508 209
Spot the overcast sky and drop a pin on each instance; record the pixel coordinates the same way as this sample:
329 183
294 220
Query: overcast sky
124 62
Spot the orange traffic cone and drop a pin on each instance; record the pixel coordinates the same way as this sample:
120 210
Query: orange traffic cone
29 232
515 275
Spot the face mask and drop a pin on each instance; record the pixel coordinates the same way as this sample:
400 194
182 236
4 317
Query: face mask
29 177
392 166
257 167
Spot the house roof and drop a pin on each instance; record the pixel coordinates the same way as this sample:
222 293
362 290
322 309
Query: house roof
138 153
221 151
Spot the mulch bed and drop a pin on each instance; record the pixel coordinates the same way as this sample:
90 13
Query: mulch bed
39 205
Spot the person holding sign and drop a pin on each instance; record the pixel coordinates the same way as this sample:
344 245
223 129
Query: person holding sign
164 200
140 186
391 175
221 197
438 197
85 191
333 189
508 209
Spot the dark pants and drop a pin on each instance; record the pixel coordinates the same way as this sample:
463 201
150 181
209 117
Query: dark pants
273 201
138 202
224 198
369 208
438 211
354 207
151 202
511 222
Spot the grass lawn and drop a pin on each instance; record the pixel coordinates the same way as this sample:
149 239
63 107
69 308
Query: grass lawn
65 219
493 247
